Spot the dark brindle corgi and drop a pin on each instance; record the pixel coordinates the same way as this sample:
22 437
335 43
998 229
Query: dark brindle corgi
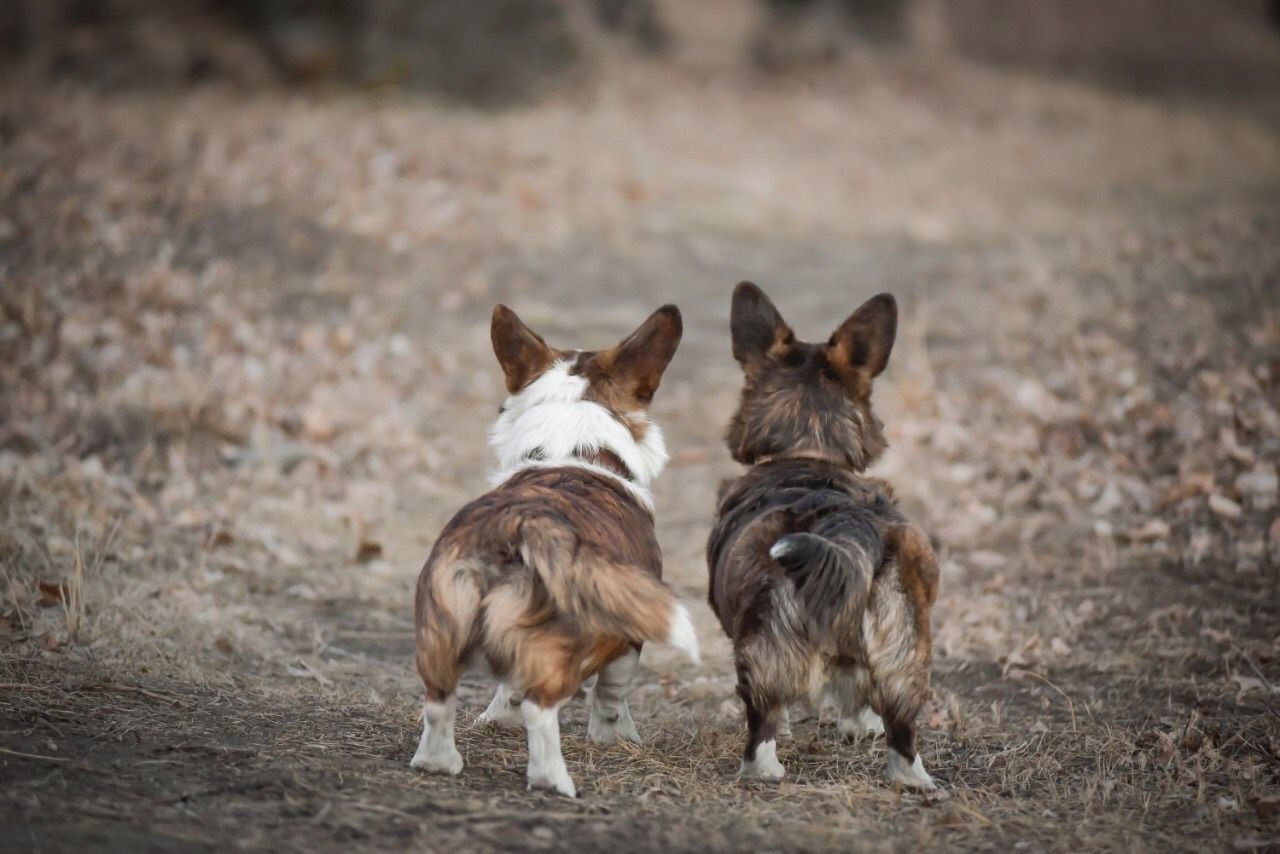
554 575
822 584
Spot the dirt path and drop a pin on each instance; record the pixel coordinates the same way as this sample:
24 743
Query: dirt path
247 378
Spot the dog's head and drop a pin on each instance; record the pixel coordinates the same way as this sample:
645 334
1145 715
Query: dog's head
802 399
567 405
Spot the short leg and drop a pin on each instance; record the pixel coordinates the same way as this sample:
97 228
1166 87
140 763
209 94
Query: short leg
760 759
546 762
784 722
905 767
610 714
858 722
504 709
436 752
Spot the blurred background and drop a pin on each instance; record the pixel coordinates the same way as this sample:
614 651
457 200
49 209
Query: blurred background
248 254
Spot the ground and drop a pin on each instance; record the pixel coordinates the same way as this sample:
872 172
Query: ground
246 377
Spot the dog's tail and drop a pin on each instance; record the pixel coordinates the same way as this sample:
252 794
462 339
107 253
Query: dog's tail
832 573
603 595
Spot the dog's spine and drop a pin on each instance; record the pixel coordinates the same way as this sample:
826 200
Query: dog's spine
832 576
605 597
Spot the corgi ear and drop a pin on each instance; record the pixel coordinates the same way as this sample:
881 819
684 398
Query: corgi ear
864 341
521 352
755 325
638 362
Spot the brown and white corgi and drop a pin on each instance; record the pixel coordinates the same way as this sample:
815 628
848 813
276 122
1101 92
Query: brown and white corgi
554 575
822 584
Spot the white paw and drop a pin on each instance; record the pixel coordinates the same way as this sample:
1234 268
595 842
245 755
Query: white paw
909 774
505 718
503 710
864 723
553 778
443 761
609 725
766 765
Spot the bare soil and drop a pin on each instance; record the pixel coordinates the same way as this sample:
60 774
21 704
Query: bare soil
245 378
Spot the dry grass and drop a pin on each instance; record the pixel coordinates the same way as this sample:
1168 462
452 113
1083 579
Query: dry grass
243 342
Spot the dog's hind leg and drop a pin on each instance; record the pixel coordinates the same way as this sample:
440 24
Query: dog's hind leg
446 605
548 669
610 714
897 654
858 722
855 719
436 751
438 665
760 758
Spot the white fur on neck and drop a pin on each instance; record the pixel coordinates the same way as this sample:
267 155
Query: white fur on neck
550 417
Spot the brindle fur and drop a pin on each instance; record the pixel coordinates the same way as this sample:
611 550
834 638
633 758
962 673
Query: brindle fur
843 611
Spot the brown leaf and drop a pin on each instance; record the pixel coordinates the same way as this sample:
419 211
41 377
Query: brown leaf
1245 684
1197 483
368 550
53 593
1268 806
1151 530
1164 746
1225 507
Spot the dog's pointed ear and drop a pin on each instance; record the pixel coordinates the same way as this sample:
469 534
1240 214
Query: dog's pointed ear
521 352
864 341
755 325
640 359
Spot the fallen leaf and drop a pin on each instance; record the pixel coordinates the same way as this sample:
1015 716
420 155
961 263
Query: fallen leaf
1151 530
1215 635
1164 746
368 550
53 593
302 670
1268 806
1245 684
986 560
1225 507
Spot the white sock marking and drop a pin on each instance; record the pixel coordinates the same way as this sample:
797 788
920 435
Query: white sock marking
546 762
436 751
503 710
766 765
864 723
911 774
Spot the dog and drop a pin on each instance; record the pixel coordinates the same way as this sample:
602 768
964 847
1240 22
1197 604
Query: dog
822 584
554 575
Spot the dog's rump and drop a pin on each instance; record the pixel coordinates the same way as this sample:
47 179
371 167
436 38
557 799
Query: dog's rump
564 545
831 567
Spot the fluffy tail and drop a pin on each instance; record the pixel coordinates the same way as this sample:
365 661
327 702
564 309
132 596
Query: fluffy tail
604 596
832 576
